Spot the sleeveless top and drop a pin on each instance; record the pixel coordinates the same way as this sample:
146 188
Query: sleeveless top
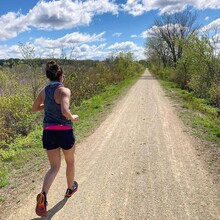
52 110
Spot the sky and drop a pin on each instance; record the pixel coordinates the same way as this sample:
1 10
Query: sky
90 29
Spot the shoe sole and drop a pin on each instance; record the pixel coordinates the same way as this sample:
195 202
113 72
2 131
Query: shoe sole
40 207
69 195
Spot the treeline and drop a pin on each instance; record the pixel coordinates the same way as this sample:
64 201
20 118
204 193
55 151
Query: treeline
21 81
179 52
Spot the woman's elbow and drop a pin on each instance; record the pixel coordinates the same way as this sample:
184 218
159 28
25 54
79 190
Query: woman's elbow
65 113
34 109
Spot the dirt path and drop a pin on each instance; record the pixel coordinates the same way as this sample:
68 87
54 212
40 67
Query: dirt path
139 164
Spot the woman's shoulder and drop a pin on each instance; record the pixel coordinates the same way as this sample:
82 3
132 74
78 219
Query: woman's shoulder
63 89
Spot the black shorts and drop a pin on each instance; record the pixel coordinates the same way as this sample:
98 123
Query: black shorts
53 139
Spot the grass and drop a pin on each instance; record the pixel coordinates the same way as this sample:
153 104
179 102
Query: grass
25 154
202 117
92 111
3 178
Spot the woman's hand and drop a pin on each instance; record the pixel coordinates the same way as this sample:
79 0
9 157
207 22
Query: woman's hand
75 118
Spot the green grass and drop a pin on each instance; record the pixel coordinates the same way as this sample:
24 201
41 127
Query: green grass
92 111
3 177
202 117
25 154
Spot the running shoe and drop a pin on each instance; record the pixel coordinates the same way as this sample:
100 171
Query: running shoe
70 192
41 207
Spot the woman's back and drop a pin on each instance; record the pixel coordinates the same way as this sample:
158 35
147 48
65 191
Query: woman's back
52 107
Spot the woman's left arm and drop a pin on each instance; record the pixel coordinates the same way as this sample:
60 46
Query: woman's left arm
39 102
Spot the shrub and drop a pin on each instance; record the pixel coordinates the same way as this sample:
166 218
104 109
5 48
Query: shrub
215 93
16 117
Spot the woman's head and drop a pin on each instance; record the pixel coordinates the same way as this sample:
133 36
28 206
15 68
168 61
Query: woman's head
53 71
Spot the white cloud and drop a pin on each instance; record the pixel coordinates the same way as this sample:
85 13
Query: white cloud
11 24
67 43
116 34
128 46
86 51
148 32
81 51
134 36
207 18
9 52
217 38
54 15
69 40
155 29
135 7
213 26
138 7
64 14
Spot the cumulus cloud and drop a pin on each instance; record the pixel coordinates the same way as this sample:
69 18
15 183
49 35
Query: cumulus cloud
177 28
128 46
64 14
138 7
81 51
148 32
116 34
54 15
68 43
11 24
213 26
9 52
69 40
86 51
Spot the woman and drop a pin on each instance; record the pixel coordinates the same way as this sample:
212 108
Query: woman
58 134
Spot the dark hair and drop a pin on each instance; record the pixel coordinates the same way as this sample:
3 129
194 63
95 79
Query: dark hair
53 71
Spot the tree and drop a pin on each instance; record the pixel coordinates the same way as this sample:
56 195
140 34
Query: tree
167 34
201 65
27 52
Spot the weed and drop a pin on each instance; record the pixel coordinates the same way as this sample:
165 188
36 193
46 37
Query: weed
3 178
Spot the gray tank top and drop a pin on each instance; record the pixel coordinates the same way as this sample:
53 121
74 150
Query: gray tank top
52 110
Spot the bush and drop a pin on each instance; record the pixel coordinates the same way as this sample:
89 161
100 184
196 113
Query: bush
16 117
215 93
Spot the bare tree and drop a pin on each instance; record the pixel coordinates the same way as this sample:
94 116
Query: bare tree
168 33
27 52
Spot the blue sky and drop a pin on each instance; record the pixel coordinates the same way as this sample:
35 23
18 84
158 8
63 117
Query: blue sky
90 29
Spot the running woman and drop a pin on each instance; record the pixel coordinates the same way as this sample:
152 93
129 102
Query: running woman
58 133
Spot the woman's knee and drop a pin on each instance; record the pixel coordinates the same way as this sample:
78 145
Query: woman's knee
70 161
55 168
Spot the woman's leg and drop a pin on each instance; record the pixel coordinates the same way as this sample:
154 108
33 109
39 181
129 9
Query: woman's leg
70 167
55 160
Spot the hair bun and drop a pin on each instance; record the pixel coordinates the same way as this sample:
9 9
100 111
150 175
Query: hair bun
53 70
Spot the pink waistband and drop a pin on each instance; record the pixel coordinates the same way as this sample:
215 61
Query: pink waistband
58 127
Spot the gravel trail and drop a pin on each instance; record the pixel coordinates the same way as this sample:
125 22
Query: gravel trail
140 164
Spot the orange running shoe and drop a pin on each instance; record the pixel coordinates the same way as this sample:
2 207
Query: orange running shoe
70 192
41 207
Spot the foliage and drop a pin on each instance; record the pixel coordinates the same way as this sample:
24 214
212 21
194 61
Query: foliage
15 118
3 178
178 53
88 80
